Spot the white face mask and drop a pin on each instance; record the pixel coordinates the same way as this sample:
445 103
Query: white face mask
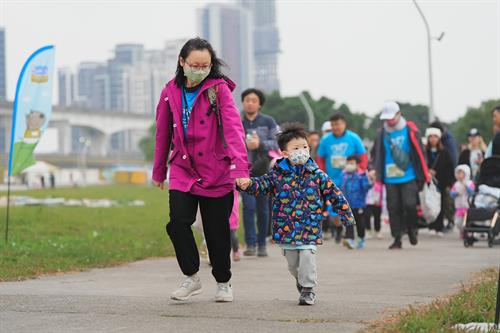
299 156
350 168
196 76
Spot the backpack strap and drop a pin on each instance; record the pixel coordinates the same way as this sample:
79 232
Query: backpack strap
214 107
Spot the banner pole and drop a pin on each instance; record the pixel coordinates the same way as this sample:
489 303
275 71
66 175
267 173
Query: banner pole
7 214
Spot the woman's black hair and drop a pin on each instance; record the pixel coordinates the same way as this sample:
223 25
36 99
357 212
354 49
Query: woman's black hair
290 131
259 93
198 44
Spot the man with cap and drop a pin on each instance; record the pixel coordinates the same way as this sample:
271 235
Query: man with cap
398 161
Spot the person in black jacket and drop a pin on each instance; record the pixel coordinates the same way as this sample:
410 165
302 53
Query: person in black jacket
441 167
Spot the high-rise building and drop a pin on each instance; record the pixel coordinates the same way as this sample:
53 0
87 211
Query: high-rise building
266 43
93 86
228 28
129 82
67 87
3 77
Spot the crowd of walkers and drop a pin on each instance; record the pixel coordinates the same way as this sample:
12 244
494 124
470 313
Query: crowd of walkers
297 188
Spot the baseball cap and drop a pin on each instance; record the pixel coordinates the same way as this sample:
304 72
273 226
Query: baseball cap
389 110
327 126
474 132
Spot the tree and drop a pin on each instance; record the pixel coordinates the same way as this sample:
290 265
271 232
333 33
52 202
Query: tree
147 144
475 117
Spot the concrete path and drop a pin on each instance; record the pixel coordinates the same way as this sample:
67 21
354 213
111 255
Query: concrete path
355 287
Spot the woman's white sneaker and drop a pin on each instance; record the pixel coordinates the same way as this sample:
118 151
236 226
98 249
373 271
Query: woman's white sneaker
224 292
190 287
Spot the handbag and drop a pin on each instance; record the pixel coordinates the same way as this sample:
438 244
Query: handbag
399 156
430 201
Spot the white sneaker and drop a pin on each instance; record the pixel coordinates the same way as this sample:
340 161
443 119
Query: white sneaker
224 292
379 235
190 287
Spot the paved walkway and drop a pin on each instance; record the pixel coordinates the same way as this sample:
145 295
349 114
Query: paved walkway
355 287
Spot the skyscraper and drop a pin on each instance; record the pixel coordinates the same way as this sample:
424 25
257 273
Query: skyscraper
266 43
228 28
3 77
67 87
131 81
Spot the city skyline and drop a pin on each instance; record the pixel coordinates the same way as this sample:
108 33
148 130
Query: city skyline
359 52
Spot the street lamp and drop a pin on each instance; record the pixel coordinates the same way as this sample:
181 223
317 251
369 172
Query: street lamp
309 111
429 53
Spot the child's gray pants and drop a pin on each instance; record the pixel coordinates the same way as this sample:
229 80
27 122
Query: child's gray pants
302 265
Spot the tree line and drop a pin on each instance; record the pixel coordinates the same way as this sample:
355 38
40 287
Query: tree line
285 109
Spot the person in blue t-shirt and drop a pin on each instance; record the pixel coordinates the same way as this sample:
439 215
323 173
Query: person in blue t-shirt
399 162
336 146
332 154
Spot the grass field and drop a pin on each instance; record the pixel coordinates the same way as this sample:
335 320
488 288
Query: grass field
474 302
60 239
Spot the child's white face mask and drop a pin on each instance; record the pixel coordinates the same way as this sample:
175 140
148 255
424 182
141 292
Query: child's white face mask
350 167
299 156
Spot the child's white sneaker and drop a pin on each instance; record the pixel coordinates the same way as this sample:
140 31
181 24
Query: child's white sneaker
190 287
224 292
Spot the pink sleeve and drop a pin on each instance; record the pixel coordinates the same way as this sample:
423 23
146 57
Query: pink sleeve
163 138
233 133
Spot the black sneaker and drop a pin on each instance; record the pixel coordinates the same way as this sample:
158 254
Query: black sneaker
250 251
262 252
412 235
396 245
299 287
307 297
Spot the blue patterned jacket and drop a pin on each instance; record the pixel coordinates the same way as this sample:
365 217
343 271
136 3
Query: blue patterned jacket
299 195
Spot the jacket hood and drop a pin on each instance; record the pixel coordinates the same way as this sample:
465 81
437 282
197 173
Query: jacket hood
465 169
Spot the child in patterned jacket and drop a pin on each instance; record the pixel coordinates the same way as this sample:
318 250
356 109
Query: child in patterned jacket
300 191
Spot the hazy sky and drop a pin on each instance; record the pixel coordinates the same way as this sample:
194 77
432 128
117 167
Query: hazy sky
357 52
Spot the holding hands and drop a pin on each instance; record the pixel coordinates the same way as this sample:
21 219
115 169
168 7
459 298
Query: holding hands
243 183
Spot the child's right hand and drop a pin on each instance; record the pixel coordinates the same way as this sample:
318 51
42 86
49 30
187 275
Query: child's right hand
243 183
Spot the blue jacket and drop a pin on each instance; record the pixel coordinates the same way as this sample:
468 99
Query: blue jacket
299 195
355 186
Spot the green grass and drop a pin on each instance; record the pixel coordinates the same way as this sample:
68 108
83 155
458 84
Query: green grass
60 239
472 303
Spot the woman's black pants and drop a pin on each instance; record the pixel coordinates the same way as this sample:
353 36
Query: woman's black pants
215 213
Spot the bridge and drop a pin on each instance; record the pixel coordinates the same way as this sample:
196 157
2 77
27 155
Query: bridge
100 134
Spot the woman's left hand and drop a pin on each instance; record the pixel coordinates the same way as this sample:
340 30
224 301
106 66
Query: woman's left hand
158 184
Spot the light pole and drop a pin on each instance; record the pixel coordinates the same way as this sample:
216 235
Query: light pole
429 54
310 113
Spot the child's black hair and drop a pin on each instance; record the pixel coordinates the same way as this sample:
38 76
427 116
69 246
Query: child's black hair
290 131
353 158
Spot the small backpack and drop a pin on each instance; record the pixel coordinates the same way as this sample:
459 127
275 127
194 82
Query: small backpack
214 107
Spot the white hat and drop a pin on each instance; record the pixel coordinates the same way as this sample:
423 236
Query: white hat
466 170
433 131
326 127
389 110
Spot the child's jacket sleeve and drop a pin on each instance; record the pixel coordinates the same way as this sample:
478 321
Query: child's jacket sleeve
262 185
334 196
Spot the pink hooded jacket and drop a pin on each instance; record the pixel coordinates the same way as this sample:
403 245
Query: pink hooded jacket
200 164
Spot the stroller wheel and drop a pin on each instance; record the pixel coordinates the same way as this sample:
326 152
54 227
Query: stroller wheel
468 243
490 243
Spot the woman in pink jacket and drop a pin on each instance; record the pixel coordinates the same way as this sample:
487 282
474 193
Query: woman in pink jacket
199 127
